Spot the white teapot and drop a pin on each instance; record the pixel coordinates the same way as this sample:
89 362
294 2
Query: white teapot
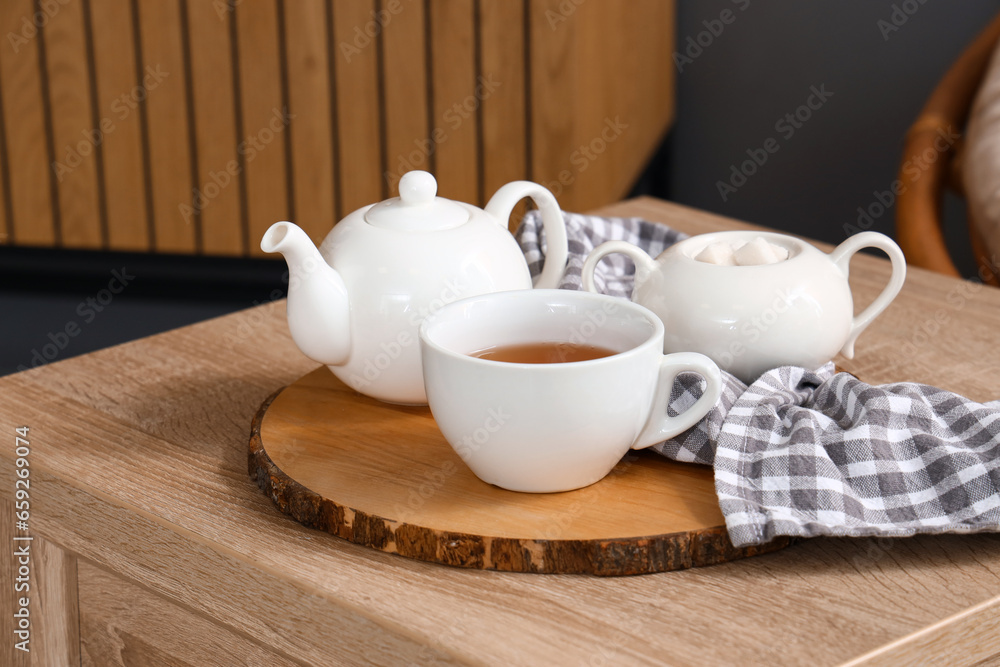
750 319
357 302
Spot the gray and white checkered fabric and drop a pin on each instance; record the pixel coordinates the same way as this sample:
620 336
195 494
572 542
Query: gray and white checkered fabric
808 453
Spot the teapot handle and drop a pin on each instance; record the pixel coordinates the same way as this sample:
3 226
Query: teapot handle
644 264
557 247
841 256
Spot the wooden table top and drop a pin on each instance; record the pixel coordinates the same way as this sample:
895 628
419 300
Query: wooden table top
139 466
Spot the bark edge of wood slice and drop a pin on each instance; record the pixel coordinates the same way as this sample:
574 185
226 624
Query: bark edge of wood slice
307 466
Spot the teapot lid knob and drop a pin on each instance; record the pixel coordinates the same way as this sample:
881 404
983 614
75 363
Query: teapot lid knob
417 187
418 208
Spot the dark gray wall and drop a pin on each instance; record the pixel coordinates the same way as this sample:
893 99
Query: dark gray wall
762 65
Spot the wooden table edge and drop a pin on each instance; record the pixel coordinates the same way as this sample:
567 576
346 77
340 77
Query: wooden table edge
944 642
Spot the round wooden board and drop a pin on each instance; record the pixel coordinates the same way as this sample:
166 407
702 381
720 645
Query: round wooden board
384 477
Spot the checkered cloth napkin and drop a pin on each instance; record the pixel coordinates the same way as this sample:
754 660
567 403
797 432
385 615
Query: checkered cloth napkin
814 452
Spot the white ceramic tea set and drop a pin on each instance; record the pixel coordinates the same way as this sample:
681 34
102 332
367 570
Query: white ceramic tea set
401 296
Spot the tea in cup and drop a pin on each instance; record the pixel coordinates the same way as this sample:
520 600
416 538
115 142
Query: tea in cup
545 390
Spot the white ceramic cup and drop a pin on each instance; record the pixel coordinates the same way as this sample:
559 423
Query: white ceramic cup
559 426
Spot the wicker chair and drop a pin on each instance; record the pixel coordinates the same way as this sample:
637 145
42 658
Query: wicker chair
918 212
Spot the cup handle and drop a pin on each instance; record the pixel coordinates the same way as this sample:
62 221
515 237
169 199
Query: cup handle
644 264
660 428
557 245
841 256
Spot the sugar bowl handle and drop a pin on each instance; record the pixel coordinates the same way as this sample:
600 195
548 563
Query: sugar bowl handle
841 256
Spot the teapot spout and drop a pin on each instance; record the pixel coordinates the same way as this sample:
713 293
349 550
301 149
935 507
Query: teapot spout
318 305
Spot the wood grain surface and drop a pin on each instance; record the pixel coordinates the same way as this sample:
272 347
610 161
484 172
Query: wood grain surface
218 210
122 624
51 591
139 466
481 92
405 84
54 587
26 116
384 477
75 149
162 102
358 112
311 130
263 107
122 144
456 103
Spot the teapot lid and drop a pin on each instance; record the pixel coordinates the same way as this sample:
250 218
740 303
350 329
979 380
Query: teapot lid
417 209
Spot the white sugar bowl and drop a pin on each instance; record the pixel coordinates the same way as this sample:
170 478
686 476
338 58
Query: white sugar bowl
750 319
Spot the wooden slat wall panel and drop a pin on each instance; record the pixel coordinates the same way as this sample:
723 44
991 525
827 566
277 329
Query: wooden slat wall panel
358 109
505 142
456 163
263 117
6 220
552 88
167 135
375 88
408 136
73 126
117 104
309 103
124 624
218 203
24 126
622 105
633 92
